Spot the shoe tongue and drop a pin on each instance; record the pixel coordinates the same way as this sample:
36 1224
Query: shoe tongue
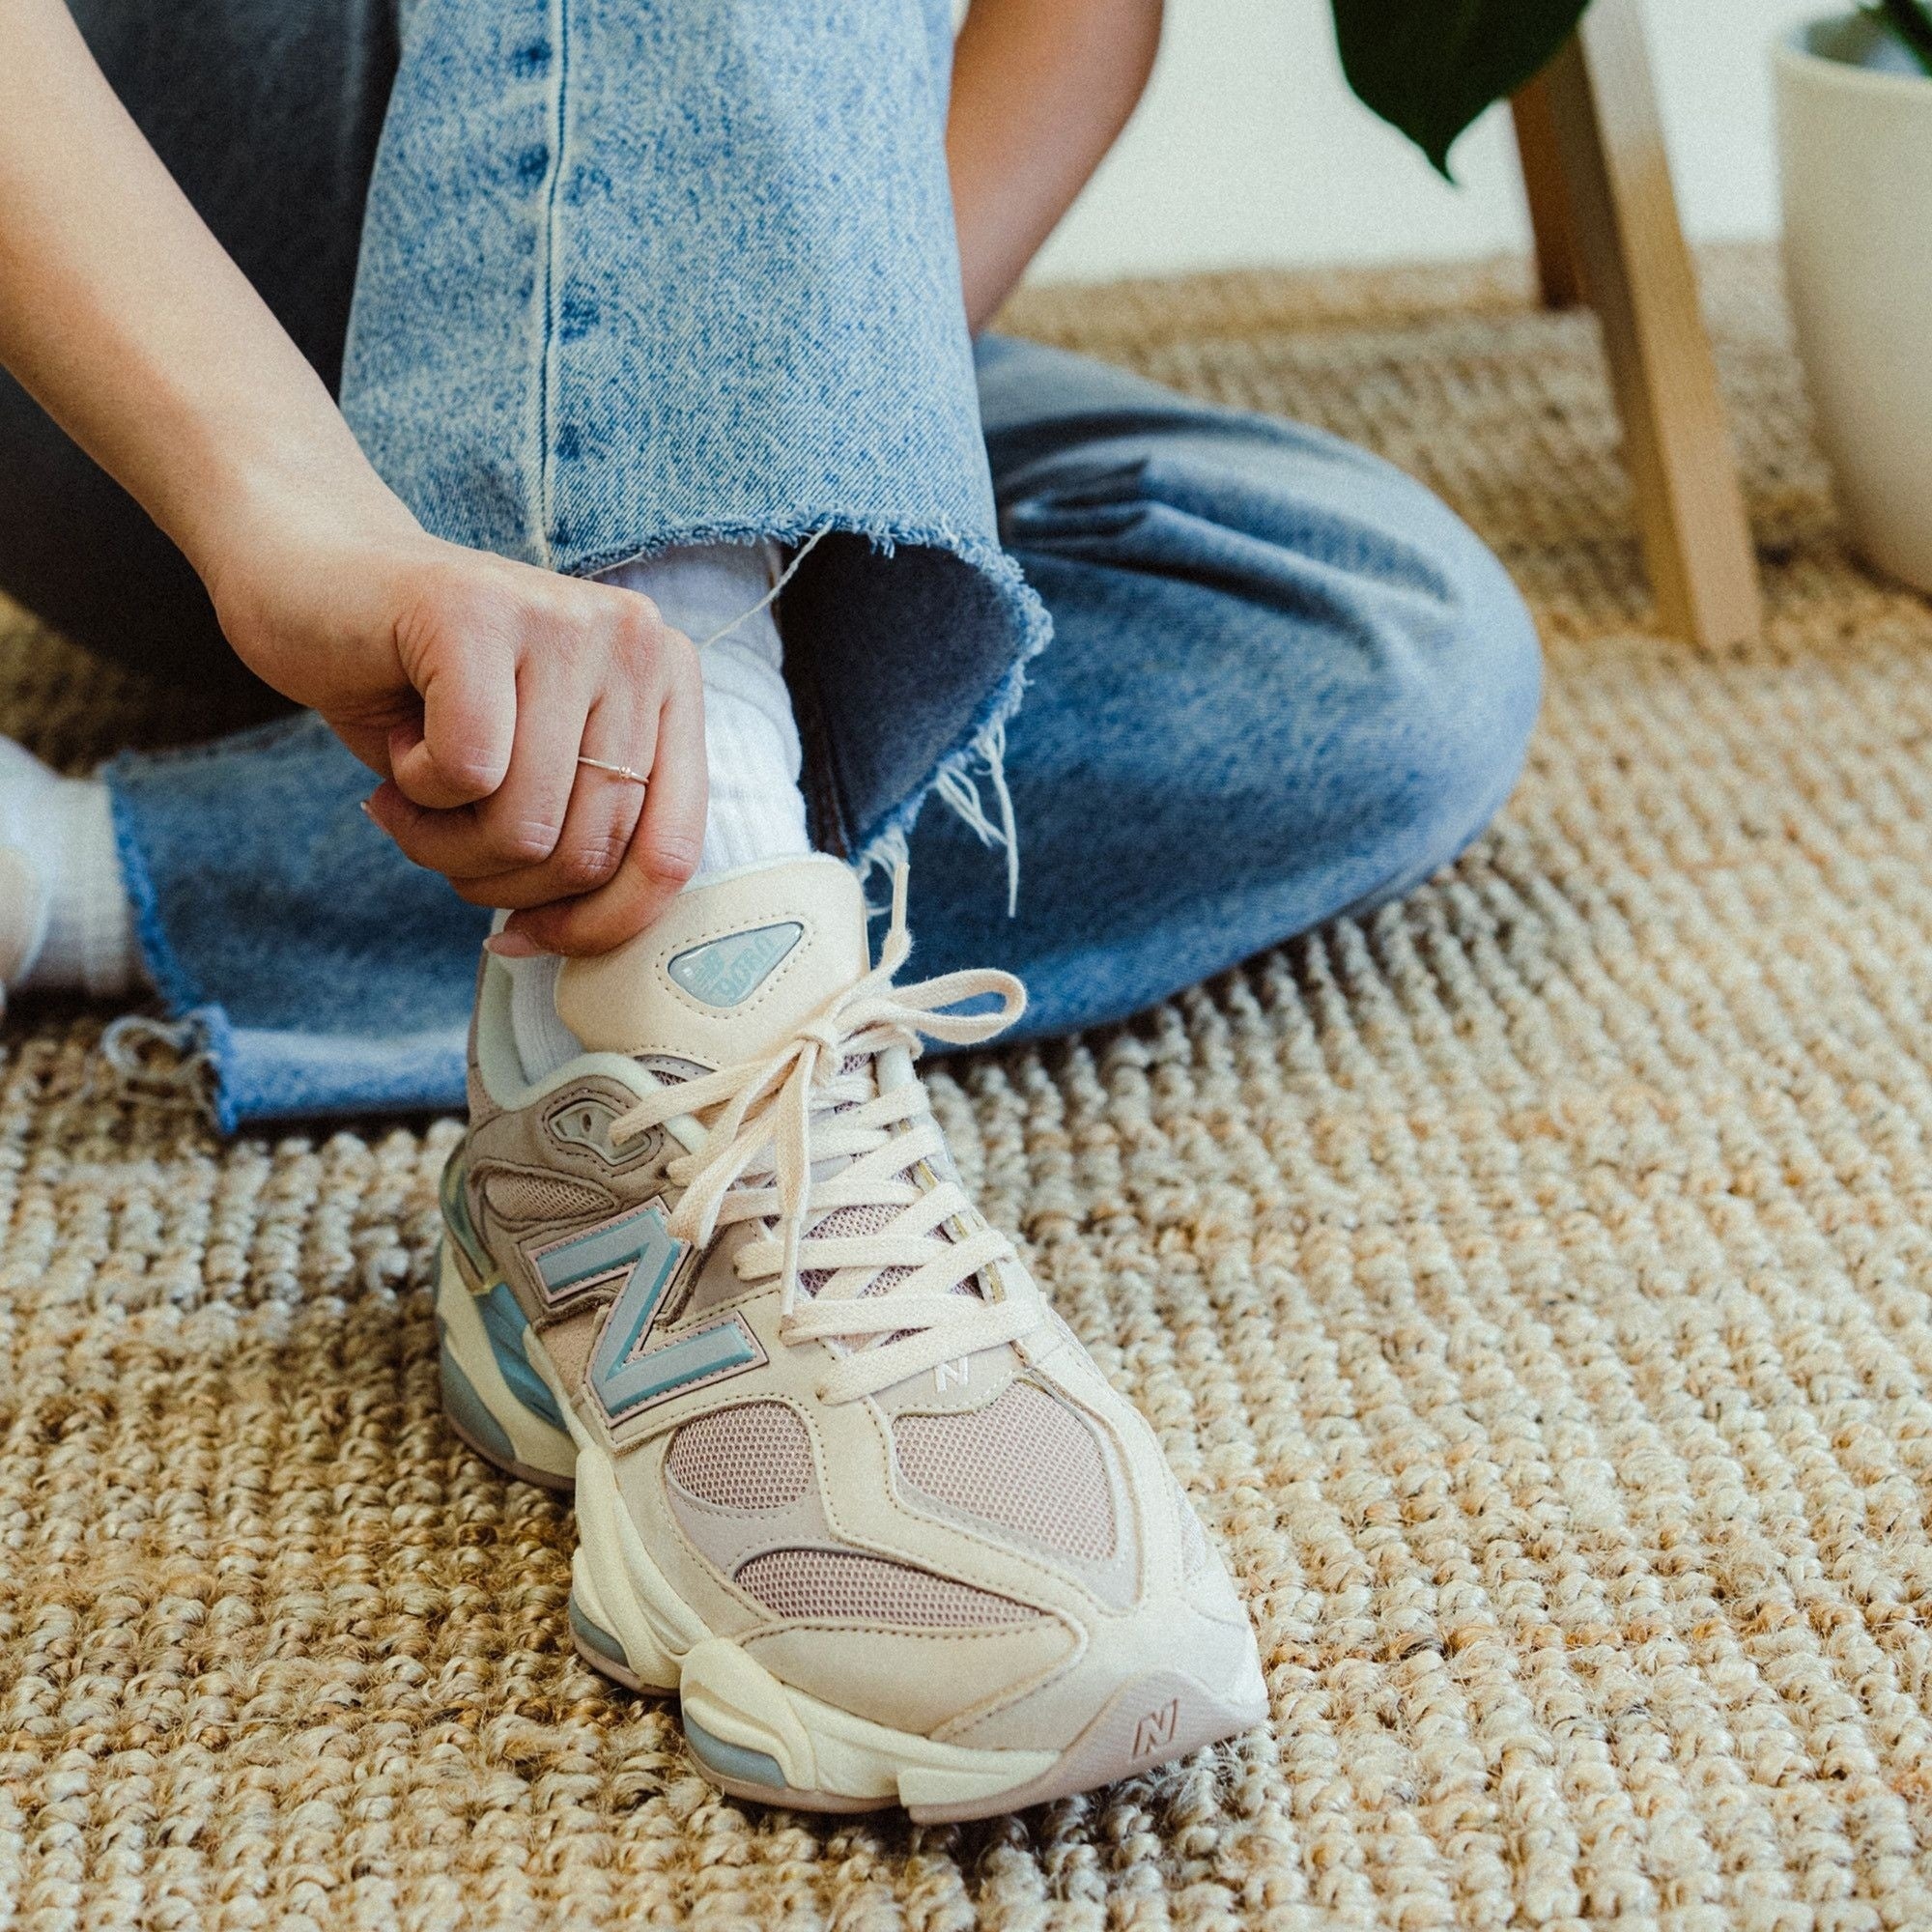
731 969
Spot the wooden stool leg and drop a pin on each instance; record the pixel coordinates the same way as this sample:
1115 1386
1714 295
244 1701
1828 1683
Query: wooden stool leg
1637 274
1558 273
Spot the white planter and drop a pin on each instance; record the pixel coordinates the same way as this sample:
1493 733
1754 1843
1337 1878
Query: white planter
1855 147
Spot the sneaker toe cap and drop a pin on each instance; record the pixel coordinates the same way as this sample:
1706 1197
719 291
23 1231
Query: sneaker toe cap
1196 1677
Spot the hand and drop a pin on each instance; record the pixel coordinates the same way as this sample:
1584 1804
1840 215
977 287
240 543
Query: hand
472 684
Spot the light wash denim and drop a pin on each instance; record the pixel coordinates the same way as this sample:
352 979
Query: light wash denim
635 273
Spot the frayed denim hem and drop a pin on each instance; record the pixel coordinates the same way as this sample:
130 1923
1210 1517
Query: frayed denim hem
250 1073
980 748
977 752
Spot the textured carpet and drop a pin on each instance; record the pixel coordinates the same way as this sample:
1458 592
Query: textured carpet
1531 1286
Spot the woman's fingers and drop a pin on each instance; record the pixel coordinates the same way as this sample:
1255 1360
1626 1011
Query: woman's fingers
489 787
519 825
664 850
605 808
460 749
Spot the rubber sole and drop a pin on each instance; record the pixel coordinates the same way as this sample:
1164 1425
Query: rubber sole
751 1735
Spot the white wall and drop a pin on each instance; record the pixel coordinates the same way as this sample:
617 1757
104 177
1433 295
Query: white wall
1249 149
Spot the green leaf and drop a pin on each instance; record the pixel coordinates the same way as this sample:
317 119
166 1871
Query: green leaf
1910 21
1430 67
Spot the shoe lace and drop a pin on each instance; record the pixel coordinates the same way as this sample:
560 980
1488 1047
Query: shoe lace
811 1129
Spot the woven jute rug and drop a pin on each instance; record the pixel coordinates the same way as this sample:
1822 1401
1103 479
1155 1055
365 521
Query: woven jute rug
1530 1286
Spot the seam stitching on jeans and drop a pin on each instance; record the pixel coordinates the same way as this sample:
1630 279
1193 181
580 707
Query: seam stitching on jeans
546 370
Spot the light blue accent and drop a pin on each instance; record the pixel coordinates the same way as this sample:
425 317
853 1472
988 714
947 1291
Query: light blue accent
736 1761
1859 40
505 1322
450 1192
621 1376
595 1635
637 1239
461 1400
622 1386
727 972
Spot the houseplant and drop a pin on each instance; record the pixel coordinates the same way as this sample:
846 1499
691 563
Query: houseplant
1430 67
1855 148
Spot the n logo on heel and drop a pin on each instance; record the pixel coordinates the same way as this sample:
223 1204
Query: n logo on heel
1157 1728
630 1367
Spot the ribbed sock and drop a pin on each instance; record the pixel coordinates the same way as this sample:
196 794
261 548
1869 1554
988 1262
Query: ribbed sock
750 745
65 829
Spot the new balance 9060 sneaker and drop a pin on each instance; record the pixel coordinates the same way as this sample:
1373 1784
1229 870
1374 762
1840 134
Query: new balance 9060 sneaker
843 1480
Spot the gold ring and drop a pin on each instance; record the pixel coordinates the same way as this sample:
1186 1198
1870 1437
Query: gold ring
616 770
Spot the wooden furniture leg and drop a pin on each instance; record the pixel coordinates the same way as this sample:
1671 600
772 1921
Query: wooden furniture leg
1558 272
1601 203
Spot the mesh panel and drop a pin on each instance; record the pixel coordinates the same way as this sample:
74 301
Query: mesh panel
869 1218
671 1069
839 1583
753 1457
1025 1461
541 1197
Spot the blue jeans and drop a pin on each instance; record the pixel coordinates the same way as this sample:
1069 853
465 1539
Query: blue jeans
634 272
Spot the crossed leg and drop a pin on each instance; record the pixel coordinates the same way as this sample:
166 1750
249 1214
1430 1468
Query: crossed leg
1285 683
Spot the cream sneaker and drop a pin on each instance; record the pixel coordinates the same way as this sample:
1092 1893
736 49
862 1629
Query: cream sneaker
844 1482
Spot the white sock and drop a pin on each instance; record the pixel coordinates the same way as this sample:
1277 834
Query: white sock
65 827
750 738
751 746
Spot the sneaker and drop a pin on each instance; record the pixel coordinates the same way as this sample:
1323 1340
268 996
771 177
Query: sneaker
844 1482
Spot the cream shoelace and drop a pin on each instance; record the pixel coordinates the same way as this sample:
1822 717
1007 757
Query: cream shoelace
818 1099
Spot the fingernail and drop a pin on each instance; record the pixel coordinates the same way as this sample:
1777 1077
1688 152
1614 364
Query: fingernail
507 945
362 805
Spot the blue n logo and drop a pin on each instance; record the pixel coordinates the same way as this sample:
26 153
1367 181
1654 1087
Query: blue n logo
628 1370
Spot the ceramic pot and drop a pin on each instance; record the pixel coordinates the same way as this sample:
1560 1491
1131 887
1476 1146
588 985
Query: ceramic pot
1855 152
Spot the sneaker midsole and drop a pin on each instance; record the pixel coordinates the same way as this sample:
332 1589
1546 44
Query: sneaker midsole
478 1369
